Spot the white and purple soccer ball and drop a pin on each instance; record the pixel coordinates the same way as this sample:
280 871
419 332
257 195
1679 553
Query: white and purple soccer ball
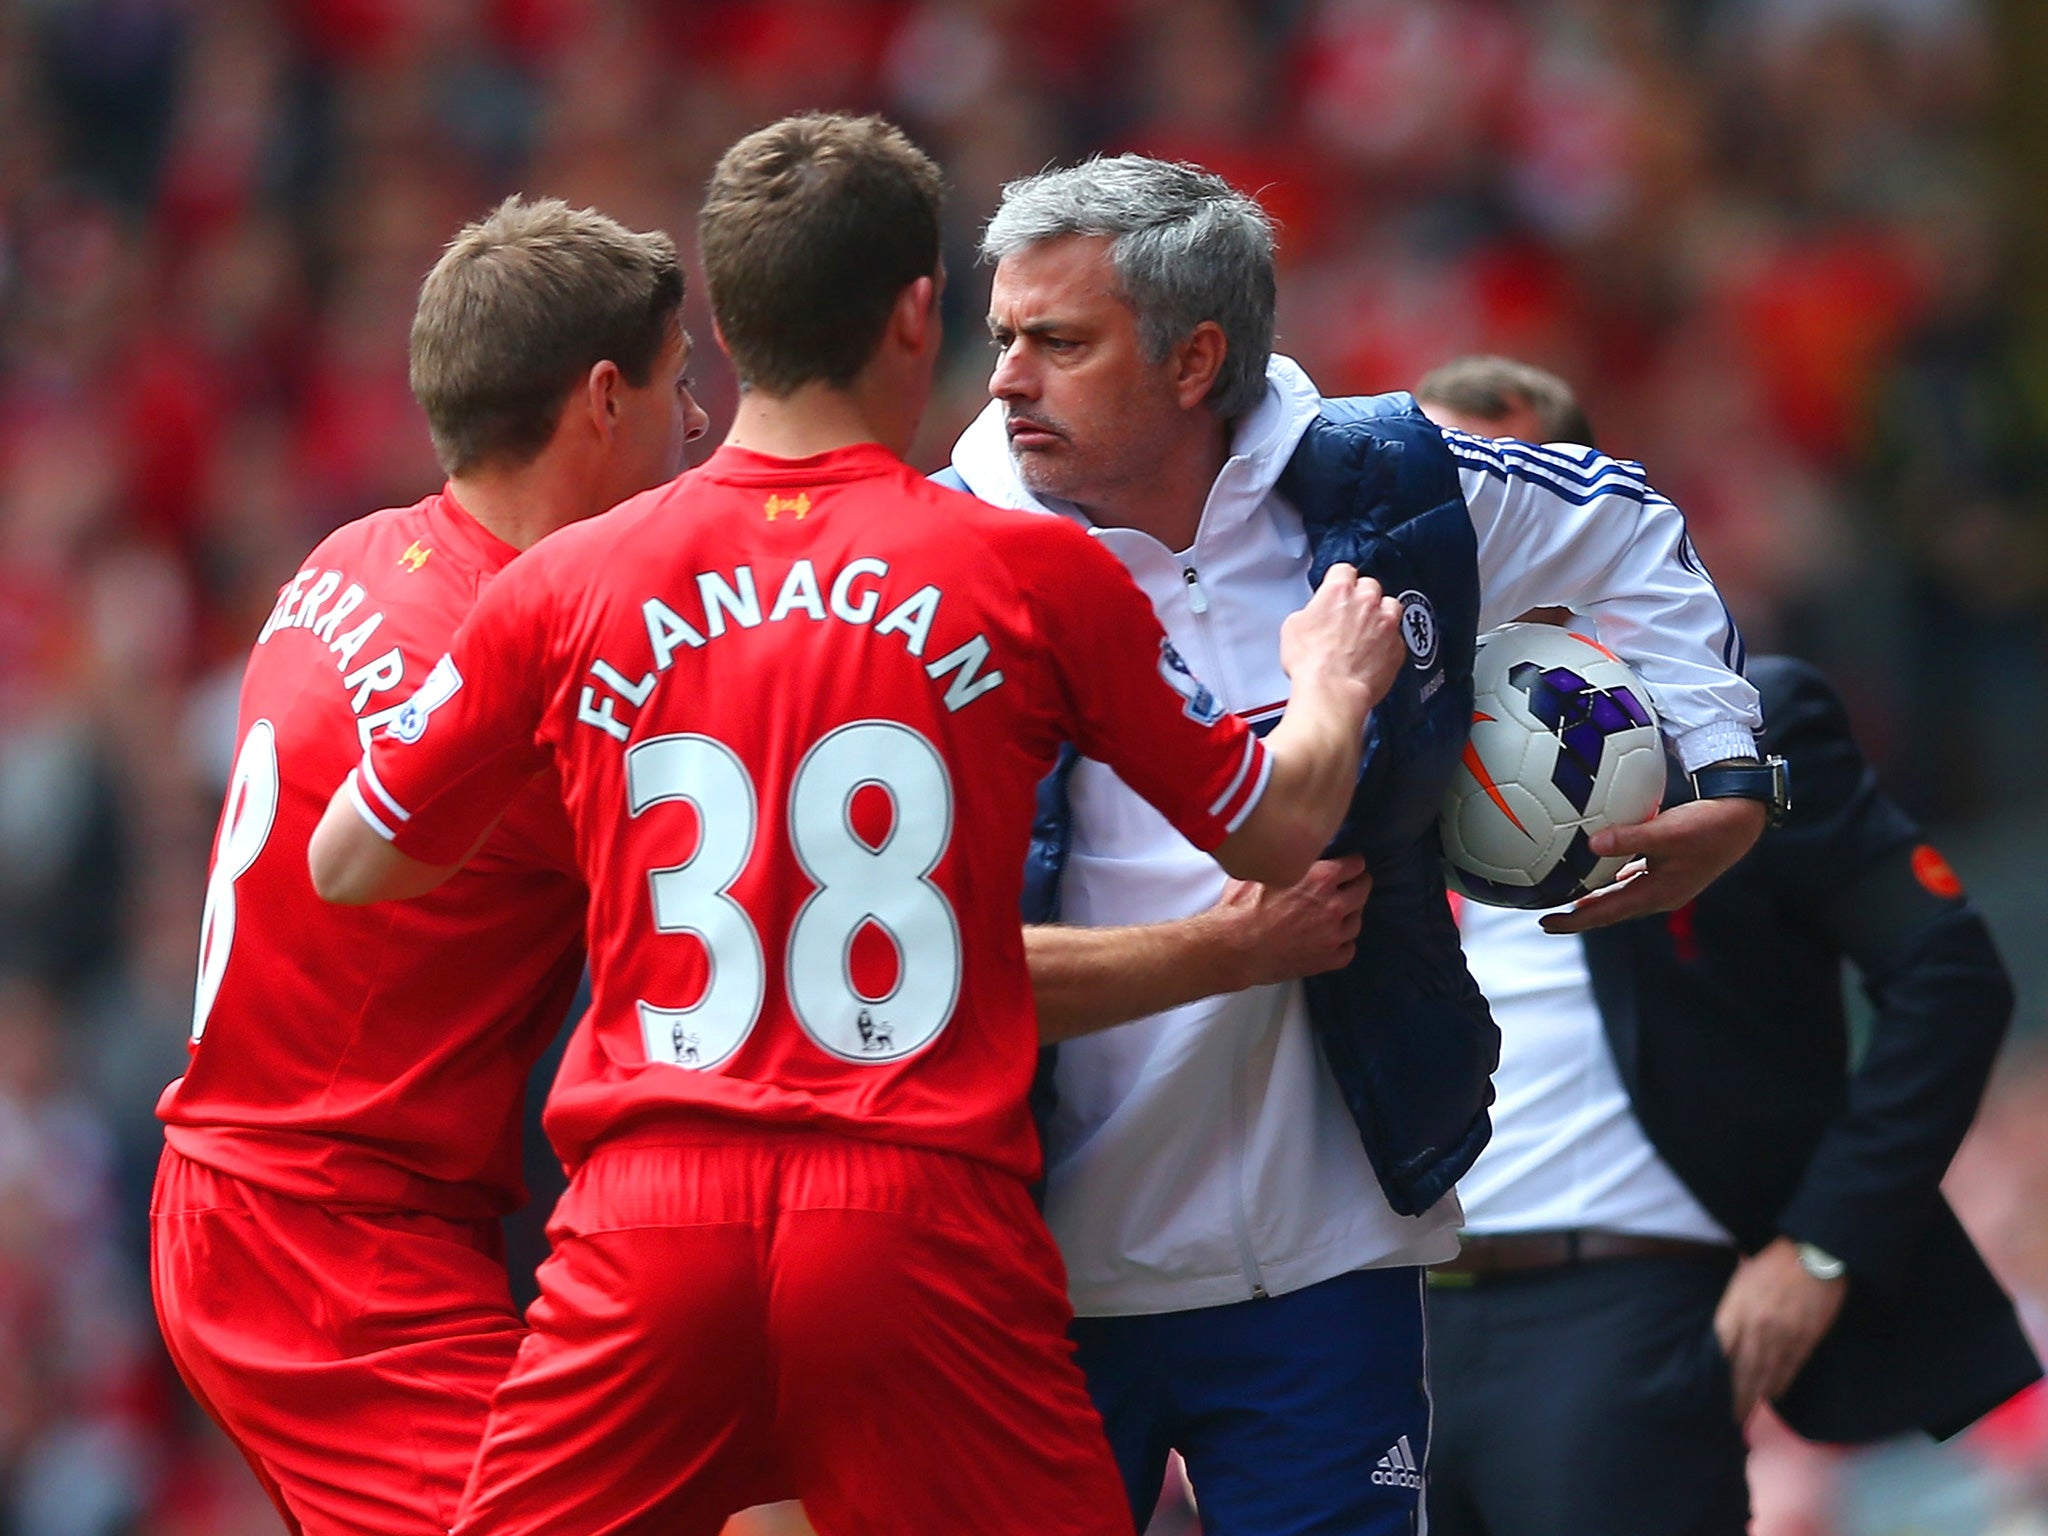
1564 742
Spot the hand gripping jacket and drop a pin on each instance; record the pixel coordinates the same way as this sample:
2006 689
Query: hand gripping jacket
1405 1030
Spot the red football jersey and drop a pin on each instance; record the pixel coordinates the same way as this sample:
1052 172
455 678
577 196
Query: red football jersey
371 1057
799 709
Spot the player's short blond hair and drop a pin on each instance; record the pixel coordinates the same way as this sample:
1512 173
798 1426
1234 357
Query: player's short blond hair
811 228
518 310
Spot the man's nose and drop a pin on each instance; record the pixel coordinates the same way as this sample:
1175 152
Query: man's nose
1011 378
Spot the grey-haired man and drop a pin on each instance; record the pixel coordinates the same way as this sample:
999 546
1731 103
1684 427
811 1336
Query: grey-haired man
1242 1253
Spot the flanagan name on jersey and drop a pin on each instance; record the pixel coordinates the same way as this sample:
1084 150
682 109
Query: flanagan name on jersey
853 596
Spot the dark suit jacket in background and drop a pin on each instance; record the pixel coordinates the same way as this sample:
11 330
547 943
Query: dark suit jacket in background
1727 1022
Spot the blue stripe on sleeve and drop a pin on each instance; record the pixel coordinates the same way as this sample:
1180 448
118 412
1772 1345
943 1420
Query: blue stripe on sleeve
1572 495
1531 457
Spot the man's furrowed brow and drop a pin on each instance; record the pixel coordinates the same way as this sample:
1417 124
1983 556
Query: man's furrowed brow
1046 327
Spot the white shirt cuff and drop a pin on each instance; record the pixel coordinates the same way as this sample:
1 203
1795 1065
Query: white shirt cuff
1711 743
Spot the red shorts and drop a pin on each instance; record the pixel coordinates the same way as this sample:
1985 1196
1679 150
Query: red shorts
731 1318
351 1355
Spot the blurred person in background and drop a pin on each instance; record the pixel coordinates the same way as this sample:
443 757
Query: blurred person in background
1999 1187
69 1430
325 1250
1693 1201
1253 1298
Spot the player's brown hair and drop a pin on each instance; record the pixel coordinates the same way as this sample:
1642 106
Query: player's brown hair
520 307
1488 388
810 229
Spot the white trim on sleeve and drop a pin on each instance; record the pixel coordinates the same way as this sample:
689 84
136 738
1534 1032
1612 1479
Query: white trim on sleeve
1251 747
1258 789
375 822
377 788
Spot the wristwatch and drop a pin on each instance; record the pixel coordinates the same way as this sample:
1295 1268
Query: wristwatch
1769 781
1819 1263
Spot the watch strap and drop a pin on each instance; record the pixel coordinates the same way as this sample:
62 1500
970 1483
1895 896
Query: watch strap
1766 780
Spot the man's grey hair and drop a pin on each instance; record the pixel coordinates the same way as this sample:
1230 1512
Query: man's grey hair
1186 247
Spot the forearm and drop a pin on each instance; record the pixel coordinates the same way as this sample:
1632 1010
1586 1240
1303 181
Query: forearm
1314 753
353 865
1090 979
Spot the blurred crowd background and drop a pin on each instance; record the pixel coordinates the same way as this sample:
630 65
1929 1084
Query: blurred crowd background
1790 251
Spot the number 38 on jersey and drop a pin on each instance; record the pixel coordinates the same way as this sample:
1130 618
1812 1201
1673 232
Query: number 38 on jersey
884 885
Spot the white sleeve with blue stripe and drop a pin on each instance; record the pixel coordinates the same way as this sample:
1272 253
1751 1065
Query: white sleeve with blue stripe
1566 526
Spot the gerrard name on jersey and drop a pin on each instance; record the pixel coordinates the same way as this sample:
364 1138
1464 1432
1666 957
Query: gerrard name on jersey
302 607
853 596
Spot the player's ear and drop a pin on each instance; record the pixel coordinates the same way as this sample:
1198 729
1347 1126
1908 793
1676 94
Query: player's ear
602 388
915 318
1196 362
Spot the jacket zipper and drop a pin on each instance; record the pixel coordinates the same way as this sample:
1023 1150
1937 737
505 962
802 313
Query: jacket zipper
1240 1224
1198 605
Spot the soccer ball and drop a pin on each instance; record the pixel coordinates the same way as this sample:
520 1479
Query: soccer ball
1564 742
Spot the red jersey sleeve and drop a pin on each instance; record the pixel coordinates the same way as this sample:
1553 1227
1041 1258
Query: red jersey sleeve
445 768
1138 707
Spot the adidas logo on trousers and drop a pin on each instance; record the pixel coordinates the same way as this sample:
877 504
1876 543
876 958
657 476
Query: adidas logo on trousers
1398 1468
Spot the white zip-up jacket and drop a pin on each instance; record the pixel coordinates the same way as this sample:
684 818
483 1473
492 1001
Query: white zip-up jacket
1204 1155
